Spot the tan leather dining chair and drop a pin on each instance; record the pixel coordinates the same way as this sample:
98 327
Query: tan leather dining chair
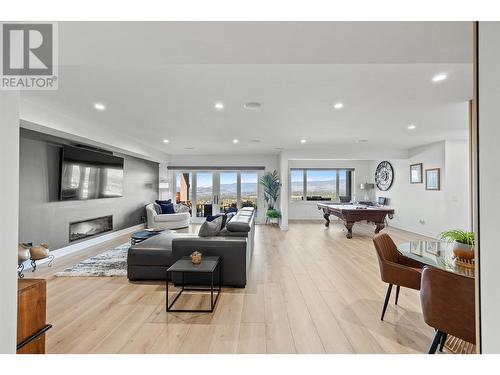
395 269
448 306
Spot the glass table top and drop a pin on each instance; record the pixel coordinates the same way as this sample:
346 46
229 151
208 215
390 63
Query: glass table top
437 254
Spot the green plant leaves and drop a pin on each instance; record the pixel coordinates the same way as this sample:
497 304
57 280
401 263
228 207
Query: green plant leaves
458 235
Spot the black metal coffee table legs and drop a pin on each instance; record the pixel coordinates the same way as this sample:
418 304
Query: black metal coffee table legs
214 291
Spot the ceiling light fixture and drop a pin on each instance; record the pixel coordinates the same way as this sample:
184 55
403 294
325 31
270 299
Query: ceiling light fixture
303 141
99 106
219 106
338 105
166 141
439 77
235 141
411 127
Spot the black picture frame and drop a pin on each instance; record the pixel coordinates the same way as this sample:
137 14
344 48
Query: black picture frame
418 169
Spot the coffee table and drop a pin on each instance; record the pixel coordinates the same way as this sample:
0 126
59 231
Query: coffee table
208 265
138 237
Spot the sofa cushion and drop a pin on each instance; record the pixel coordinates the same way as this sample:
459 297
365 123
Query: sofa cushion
180 208
213 217
211 228
239 224
167 208
227 233
163 202
155 251
229 216
173 217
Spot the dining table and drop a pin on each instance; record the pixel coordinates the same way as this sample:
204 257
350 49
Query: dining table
437 254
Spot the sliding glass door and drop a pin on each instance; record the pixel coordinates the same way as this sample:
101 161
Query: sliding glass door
205 196
212 192
249 189
228 192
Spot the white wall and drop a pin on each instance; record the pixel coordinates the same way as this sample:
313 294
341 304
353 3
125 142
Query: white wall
457 194
424 211
269 161
489 183
308 209
9 201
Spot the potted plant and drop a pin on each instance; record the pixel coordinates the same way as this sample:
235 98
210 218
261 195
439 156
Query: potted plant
463 242
273 216
271 184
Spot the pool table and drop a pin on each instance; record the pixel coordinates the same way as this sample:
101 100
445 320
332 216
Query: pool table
351 213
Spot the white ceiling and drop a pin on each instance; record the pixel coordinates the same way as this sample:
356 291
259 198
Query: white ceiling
160 80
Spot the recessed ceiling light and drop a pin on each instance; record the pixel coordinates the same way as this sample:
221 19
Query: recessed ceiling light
166 141
439 77
252 106
338 105
99 106
235 141
303 141
219 106
411 127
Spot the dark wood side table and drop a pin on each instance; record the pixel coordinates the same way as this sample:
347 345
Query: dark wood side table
208 265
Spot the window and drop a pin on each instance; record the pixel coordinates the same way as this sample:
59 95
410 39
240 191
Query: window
249 185
320 184
297 184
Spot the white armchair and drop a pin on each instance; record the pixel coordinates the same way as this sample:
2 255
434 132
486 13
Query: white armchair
167 221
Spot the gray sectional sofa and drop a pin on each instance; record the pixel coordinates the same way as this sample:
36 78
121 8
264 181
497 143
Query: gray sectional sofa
150 259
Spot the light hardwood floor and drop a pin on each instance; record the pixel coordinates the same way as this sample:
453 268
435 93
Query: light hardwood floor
310 290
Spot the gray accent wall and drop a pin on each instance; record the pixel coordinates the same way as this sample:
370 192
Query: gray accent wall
43 218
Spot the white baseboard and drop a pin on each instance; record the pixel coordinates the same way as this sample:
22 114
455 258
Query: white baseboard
70 249
411 231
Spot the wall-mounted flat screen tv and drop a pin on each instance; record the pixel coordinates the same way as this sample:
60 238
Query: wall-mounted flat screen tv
87 174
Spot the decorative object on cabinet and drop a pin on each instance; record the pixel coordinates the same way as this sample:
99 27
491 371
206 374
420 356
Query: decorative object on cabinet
23 254
40 252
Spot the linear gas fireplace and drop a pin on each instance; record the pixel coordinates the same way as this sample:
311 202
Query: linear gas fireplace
80 230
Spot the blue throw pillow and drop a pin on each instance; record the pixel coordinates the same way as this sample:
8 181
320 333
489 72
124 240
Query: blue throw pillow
167 208
163 202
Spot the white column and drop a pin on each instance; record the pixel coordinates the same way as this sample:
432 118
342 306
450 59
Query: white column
163 193
489 183
284 171
9 220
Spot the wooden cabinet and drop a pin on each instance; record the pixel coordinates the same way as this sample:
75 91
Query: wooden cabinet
31 316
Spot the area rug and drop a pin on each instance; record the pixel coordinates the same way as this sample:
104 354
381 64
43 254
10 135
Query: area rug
110 263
